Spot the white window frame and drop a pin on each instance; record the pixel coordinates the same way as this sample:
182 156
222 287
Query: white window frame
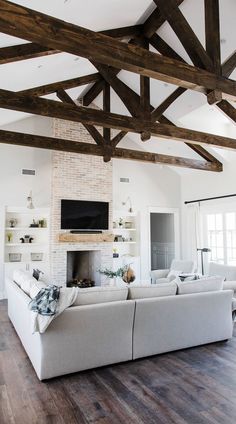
220 208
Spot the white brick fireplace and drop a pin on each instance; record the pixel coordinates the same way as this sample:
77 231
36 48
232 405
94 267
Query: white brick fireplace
77 177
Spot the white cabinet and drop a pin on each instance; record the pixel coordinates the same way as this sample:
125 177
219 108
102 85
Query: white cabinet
26 240
126 245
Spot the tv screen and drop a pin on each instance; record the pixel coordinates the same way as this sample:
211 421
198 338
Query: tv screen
84 215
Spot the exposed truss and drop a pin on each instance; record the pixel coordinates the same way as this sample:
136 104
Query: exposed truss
109 52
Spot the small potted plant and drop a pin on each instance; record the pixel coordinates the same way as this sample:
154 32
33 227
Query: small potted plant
125 272
9 237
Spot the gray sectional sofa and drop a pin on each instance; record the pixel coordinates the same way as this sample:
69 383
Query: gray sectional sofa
152 320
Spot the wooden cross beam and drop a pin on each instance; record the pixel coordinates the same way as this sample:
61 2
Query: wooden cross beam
155 21
24 51
42 142
170 11
43 90
57 34
54 109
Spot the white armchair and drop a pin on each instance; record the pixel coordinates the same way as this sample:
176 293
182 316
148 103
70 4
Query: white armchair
177 267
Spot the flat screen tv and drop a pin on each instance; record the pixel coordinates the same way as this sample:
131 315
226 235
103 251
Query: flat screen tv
83 215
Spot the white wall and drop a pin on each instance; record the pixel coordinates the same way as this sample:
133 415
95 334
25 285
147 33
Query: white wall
150 186
15 187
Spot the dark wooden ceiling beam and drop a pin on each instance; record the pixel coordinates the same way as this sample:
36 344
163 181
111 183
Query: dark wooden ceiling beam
125 93
155 21
118 137
229 65
42 142
212 32
124 32
162 47
228 110
107 131
23 52
32 50
43 90
95 134
170 11
158 112
197 148
52 32
54 109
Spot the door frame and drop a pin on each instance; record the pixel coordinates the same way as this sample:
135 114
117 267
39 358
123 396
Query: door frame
175 212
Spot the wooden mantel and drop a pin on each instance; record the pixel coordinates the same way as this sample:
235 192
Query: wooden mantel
86 238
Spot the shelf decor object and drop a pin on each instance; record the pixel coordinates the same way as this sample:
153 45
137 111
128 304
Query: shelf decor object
15 257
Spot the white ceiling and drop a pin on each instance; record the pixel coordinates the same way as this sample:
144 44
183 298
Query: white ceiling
190 110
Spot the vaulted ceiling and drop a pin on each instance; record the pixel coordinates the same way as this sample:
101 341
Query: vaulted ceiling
186 31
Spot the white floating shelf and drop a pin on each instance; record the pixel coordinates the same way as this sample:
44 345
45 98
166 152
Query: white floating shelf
123 229
25 228
124 242
24 244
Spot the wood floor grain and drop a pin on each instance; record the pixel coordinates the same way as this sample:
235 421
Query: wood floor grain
192 386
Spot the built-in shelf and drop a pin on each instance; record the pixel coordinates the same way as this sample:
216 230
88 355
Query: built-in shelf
124 242
25 228
25 244
40 246
123 229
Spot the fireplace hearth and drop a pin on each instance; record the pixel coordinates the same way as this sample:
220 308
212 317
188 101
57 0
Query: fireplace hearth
83 268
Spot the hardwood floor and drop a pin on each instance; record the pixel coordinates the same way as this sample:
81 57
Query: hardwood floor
191 386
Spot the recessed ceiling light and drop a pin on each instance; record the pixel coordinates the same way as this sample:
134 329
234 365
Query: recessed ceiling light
166 85
223 40
39 66
76 58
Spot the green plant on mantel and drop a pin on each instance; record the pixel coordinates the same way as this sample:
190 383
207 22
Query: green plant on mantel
113 274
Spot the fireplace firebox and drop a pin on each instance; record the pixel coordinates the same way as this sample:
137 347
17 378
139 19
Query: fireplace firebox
83 266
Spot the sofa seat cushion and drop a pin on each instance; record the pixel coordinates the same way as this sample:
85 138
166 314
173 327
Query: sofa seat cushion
154 290
198 286
94 295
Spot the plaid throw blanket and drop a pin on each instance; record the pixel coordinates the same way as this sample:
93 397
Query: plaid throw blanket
50 302
46 301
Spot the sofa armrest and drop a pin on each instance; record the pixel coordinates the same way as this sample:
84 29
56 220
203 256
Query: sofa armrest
159 273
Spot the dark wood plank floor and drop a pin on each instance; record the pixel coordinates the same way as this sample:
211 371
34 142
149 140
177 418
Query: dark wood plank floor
191 386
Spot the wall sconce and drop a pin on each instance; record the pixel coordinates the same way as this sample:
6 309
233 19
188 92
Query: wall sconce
203 250
130 204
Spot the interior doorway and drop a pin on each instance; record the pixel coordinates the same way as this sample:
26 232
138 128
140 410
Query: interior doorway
164 237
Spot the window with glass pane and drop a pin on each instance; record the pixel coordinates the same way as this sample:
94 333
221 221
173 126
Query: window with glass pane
230 219
221 237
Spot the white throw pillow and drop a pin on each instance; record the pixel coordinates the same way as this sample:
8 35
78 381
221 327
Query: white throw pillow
19 276
36 287
154 290
173 274
93 295
202 285
24 280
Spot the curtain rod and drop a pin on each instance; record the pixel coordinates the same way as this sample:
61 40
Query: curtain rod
209 198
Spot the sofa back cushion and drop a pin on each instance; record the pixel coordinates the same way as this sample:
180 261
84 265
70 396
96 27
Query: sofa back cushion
226 271
100 295
202 285
155 290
